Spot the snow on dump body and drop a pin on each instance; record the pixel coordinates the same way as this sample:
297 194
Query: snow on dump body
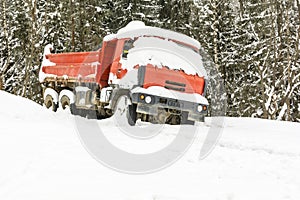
46 62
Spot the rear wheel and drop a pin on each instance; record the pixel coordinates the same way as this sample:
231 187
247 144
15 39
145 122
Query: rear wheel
64 101
48 101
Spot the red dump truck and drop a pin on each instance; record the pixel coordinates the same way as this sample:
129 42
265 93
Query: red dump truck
159 72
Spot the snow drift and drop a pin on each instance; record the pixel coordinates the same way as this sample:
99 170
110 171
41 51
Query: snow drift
42 158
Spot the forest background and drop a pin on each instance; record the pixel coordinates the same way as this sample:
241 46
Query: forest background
254 44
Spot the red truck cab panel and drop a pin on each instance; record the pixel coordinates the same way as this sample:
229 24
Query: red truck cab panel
172 79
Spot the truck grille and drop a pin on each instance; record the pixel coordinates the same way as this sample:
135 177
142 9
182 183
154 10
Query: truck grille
171 85
173 103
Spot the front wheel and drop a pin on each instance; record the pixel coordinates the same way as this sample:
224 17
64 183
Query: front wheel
124 111
131 114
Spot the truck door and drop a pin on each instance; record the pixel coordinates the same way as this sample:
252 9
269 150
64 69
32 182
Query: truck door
106 59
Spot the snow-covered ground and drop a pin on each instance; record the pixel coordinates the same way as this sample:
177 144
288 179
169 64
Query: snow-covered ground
42 158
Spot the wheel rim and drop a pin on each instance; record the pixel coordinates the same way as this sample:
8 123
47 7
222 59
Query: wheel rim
65 101
48 101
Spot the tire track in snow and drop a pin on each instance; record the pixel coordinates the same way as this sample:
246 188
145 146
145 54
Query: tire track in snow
256 149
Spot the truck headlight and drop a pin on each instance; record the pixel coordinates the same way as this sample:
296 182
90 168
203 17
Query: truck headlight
148 99
199 108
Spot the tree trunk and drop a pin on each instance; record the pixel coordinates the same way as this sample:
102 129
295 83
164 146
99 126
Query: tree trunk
5 30
72 16
1 82
29 60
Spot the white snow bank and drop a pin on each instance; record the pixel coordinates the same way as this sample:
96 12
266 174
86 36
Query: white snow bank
42 157
18 108
270 137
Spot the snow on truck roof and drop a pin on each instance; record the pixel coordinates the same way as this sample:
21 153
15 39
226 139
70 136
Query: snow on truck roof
138 28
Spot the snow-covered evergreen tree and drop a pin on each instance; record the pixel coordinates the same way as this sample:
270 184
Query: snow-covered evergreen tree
13 40
176 15
253 44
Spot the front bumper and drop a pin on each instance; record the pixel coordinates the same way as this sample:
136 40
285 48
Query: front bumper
153 106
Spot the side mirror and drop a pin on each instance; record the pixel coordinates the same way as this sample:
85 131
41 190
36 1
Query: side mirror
125 53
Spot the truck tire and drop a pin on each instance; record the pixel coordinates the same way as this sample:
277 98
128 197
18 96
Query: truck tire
64 102
124 109
48 101
131 114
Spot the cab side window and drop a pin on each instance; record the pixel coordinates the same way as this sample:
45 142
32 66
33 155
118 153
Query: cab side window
127 46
